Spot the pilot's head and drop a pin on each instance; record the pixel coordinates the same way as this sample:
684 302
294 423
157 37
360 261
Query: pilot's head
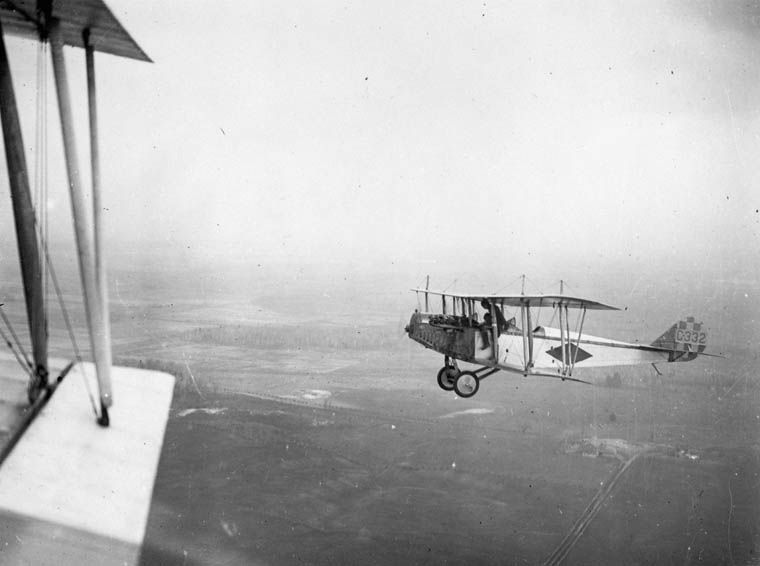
485 304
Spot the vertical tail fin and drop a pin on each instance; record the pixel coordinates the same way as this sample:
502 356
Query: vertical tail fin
685 339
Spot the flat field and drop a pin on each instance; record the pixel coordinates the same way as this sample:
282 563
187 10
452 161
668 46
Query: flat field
313 436
308 429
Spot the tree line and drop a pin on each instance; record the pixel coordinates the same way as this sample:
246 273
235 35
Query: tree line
305 337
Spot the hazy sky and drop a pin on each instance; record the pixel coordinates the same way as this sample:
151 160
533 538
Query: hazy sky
418 130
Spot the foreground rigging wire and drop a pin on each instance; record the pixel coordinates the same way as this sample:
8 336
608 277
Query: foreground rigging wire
19 359
69 327
41 216
15 338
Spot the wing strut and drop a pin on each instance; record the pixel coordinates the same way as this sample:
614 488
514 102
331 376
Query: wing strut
578 340
24 219
97 322
526 335
530 336
494 332
97 217
563 336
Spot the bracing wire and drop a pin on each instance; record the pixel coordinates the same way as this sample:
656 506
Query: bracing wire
69 327
41 147
507 286
19 359
533 284
452 284
419 305
542 341
539 291
41 215
537 322
569 288
44 208
15 338
578 326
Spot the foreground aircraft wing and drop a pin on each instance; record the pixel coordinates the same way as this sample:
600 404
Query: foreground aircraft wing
527 300
20 17
72 492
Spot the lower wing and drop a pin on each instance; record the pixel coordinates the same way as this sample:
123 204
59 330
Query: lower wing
72 492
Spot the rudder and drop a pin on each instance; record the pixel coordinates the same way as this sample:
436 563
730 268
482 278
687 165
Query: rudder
686 339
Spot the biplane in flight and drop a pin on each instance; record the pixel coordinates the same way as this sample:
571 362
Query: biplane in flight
495 343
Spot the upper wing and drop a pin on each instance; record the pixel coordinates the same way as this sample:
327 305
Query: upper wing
528 300
20 17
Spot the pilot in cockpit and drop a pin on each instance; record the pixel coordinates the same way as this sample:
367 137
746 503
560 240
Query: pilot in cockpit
502 325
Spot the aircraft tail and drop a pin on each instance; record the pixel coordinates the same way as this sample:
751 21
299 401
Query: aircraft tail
686 339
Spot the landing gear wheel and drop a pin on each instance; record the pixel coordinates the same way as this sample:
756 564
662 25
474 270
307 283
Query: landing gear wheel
447 376
466 384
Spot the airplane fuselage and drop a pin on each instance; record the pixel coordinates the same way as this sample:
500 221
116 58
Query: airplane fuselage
461 339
